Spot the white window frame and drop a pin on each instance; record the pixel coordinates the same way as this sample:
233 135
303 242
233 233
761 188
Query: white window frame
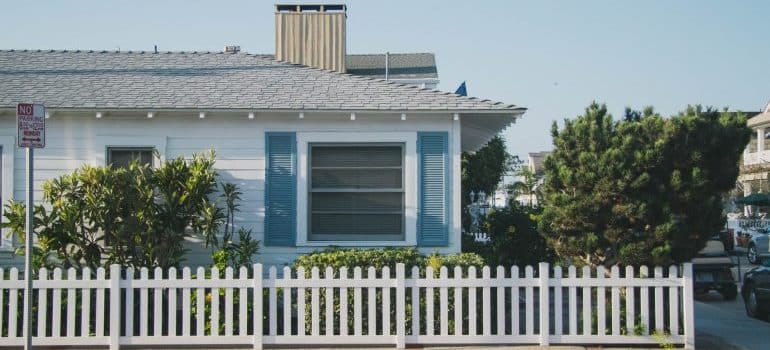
104 143
8 148
408 139
108 156
400 190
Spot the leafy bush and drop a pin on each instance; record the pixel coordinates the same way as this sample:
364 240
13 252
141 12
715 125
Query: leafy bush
463 260
379 258
228 252
132 216
515 238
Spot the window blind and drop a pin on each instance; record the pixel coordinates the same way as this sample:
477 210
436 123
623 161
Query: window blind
356 192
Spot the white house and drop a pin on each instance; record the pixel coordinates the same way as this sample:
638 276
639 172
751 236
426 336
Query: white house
756 157
322 157
535 165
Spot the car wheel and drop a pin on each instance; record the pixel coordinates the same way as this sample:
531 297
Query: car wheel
752 255
753 307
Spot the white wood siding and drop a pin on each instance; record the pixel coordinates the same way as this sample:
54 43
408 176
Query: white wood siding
77 139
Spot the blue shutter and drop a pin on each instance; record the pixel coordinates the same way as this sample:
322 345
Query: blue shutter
433 192
280 189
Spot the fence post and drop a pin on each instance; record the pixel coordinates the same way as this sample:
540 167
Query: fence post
544 305
257 311
115 314
400 306
687 306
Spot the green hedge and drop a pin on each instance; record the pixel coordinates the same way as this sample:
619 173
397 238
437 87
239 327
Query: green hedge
379 258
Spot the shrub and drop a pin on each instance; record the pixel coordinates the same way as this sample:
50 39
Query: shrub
463 260
515 238
132 216
228 252
379 258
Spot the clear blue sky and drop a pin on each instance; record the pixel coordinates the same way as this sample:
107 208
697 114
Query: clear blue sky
552 57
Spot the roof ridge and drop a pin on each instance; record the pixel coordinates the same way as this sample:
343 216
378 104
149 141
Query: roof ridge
391 82
391 53
132 51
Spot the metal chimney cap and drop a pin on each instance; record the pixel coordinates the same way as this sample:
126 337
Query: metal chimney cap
311 8
232 48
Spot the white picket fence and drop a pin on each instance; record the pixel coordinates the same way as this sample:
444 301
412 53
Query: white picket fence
120 307
480 237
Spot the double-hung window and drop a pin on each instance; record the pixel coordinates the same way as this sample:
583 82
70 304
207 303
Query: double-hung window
356 192
123 156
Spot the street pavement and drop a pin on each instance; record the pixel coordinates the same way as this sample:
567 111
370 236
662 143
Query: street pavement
723 324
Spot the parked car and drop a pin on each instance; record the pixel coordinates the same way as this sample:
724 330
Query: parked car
712 271
756 291
758 246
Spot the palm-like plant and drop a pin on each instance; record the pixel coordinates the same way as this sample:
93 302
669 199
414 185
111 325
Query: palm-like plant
528 185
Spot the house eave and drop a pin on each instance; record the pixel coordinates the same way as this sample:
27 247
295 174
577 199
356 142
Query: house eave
144 110
477 127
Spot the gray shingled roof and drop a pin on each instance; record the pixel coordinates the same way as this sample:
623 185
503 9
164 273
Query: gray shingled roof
181 80
400 65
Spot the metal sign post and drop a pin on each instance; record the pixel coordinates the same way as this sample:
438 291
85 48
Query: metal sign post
30 119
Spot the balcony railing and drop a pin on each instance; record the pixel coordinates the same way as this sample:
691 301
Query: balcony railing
753 158
752 146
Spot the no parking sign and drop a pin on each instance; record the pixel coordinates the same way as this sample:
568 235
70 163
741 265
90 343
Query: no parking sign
30 119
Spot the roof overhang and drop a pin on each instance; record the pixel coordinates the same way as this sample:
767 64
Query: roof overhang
478 128
762 119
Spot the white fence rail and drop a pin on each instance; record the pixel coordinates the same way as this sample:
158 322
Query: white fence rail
541 306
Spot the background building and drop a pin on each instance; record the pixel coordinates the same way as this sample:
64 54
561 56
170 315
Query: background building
755 164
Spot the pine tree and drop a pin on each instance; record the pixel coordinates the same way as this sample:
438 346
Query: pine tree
642 190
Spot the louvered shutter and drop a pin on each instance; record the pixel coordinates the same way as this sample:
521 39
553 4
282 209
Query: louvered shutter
433 201
280 189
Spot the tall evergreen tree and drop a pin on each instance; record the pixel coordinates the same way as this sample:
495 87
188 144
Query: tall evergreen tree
484 169
642 190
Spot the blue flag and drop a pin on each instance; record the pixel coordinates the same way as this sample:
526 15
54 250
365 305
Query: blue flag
461 90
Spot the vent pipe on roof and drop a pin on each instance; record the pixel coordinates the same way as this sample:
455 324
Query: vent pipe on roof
387 60
232 49
311 35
